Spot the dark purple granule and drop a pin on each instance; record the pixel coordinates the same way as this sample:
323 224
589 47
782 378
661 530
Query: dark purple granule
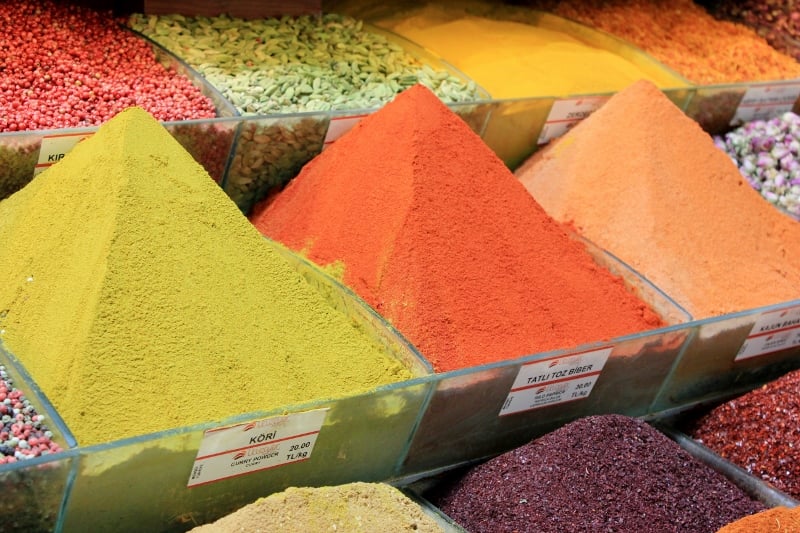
599 473
759 431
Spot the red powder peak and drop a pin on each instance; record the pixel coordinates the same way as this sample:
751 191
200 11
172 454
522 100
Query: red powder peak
437 234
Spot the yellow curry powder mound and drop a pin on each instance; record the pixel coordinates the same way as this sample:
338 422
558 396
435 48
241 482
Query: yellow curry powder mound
140 298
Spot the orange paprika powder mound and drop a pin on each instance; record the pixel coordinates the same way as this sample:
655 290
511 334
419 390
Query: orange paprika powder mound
437 235
645 182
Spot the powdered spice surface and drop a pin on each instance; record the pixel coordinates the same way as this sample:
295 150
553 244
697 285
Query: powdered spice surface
354 507
645 182
775 520
435 233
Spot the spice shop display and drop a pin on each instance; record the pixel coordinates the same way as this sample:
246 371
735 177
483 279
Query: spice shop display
430 228
766 153
351 507
758 432
606 472
153 314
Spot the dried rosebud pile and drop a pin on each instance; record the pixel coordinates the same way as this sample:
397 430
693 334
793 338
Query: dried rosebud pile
767 153
66 66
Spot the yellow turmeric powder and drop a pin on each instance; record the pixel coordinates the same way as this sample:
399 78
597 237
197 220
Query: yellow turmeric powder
516 60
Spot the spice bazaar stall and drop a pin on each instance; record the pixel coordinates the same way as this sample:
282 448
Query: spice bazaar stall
376 274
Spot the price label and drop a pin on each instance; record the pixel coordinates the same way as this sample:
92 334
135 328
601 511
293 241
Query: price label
773 331
55 147
339 126
765 102
566 113
234 451
555 380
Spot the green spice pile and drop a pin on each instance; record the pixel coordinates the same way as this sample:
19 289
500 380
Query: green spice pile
295 64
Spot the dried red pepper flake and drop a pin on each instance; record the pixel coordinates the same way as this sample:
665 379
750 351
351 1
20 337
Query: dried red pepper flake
759 431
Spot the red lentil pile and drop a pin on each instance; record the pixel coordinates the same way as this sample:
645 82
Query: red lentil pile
686 37
759 431
67 66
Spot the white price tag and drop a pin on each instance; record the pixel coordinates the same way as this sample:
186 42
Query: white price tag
55 147
766 102
233 451
773 331
339 126
566 113
555 380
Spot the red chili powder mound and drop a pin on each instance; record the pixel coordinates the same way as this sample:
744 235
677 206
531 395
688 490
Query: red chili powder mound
436 234
645 182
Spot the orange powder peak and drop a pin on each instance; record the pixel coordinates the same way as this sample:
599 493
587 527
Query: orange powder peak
436 234
642 180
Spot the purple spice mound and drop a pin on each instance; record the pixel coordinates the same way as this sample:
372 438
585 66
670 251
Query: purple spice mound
599 473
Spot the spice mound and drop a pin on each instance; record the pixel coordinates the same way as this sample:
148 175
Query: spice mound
140 299
758 431
356 507
436 234
645 182
599 473
775 520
